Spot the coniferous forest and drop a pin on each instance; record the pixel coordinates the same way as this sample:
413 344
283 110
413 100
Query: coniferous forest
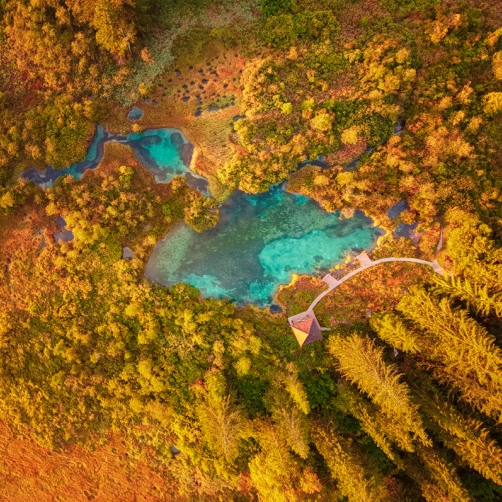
116 387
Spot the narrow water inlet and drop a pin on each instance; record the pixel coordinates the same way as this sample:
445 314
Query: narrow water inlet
166 153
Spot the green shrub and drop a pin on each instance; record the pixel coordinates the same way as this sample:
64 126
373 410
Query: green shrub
272 7
68 126
279 31
284 29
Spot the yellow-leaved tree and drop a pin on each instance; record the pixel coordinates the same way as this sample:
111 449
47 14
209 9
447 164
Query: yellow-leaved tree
361 362
353 480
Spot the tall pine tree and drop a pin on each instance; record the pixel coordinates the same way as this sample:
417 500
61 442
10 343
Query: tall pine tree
361 362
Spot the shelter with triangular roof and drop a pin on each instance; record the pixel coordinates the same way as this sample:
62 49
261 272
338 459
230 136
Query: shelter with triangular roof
306 329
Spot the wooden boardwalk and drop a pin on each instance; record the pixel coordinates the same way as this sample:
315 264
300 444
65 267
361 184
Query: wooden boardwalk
366 262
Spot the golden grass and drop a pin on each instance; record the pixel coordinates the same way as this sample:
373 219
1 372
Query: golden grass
209 132
31 473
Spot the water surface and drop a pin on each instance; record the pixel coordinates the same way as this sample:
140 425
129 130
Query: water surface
166 153
135 114
259 242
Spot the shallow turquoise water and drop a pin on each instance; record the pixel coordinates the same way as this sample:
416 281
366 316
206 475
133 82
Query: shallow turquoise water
161 151
164 152
259 242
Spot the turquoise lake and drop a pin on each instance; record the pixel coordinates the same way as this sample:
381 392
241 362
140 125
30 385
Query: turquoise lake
259 242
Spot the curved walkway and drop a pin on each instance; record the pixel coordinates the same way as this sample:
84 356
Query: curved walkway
366 262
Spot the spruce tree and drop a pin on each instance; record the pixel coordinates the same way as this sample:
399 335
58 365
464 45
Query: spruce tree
475 295
486 398
223 426
362 363
346 466
468 356
392 330
387 434
294 427
468 438
277 474
436 476
458 339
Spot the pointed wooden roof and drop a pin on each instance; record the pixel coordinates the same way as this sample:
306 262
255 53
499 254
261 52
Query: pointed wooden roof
305 324
301 336
306 330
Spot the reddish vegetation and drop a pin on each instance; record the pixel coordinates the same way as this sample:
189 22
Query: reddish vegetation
375 289
346 153
20 86
22 235
29 472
